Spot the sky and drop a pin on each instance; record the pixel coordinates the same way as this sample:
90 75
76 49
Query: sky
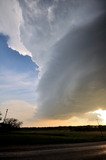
53 61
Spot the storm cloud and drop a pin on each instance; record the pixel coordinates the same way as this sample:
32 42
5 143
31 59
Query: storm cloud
66 39
75 79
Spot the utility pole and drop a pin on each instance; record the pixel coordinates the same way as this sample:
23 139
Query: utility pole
5 115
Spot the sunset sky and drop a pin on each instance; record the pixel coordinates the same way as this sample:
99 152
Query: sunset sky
53 61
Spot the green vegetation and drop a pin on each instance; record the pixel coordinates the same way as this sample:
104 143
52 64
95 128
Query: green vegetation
53 135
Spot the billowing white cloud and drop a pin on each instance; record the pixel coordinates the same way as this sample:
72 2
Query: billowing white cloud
10 20
47 22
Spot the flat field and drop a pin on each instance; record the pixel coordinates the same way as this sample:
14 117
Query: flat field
32 136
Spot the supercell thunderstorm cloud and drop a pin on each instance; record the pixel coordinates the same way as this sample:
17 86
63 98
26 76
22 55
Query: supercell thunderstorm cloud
66 39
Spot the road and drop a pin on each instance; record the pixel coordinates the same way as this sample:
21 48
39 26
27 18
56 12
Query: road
80 151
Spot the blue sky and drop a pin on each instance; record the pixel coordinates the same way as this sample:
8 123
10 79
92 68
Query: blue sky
17 74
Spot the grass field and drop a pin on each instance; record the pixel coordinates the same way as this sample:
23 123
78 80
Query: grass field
49 136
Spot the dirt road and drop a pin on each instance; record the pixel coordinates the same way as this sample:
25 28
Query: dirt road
81 151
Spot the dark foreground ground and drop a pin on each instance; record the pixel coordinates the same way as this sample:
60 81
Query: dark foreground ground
56 135
78 151
58 143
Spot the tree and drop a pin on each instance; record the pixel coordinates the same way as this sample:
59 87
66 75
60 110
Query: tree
12 123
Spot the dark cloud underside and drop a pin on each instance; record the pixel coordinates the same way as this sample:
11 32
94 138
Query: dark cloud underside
75 79
67 41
